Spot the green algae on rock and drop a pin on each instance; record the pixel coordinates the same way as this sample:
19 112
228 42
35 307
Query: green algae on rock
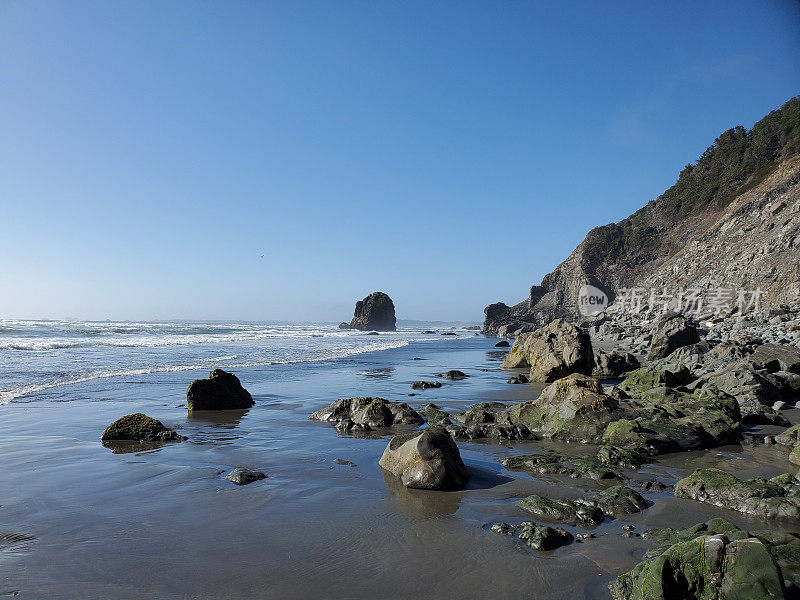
552 352
139 427
559 464
774 498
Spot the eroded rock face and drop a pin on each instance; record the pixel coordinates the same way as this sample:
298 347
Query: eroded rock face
374 313
427 460
552 352
139 427
774 498
221 391
710 561
366 413
672 331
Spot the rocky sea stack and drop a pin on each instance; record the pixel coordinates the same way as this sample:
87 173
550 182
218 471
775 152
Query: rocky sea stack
374 313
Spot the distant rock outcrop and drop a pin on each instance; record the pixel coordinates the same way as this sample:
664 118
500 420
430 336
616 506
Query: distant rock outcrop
374 313
728 222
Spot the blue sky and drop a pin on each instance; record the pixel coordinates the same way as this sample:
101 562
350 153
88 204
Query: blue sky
447 153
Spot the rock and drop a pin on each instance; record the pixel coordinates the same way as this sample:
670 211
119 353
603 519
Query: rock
427 460
140 427
373 333
558 464
776 357
424 385
502 344
221 391
494 431
344 325
573 408
714 561
242 476
790 437
369 412
450 333
620 500
538 537
655 376
519 378
472 328
787 384
375 312
552 352
769 499
614 364
754 393
672 331
435 415
453 375
429 331
345 463
582 512
779 405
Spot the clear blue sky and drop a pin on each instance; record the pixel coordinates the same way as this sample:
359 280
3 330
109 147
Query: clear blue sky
447 153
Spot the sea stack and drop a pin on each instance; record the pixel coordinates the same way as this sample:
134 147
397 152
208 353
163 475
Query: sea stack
374 313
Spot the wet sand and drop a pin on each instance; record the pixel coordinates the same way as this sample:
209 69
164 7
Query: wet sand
80 521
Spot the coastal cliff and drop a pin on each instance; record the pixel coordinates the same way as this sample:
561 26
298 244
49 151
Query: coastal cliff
732 220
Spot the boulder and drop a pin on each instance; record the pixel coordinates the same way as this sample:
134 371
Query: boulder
490 420
242 476
775 498
672 331
424 385
375 312
559 464
427 460
365 413
221 391
582 512
533 535
620 500
574 408
502 344
776 357
711 561
614 364
453 375
519 378
655 376
139 427
434 415
552 352
344 325
754 393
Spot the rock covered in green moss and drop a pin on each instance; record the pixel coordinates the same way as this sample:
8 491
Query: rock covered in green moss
710 561
559 464
490 420
576 512
242 476
370 412
533 535
774 498
139 427
552 352
435 415
621 500
655 376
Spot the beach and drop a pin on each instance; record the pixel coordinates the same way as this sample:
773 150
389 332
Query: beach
79 520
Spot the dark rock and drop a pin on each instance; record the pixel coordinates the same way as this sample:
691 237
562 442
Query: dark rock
344 325
582 512
754 393
373 333
494 431
434 415
453 375
557 464
654 376
424 385
776 357
614 364
519 378
429 332
241 476
427 460
473 328
502 344
552 352
542 537
345 463
221 391
375 312
775 498
620 500
366 413
140 427
672 331
450 333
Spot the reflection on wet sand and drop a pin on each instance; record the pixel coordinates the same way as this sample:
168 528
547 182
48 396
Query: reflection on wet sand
216 426
131 446
424 502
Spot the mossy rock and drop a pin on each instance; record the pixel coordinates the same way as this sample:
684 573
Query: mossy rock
558 464
582 512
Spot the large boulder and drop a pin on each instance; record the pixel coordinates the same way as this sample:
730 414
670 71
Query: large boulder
367 413
374 313
775 498
776 357
533 535
574 408
221 391
754 393
427 460
672 331
139 427
614 364
710 561
552 352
